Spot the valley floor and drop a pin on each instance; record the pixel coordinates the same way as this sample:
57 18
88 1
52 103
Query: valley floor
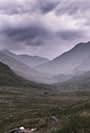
44 109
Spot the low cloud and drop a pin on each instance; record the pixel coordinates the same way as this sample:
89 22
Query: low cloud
70 35
28 34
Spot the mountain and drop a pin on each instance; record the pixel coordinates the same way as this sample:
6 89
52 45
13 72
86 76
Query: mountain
22 69
32 61
77 82
61 78
59 69
84 66
8 77
10 59
68 61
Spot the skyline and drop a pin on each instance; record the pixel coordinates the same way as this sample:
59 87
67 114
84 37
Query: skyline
46 28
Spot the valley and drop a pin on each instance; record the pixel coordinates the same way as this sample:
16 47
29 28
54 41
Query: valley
51 103
44 66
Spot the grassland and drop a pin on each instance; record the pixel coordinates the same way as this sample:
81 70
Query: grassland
35 107
51 109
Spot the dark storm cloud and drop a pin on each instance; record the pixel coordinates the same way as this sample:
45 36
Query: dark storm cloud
70 34
28 6
33 34
74 7
47 6
9 7
46 25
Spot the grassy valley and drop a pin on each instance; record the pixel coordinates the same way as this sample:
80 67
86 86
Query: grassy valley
50 109
34 107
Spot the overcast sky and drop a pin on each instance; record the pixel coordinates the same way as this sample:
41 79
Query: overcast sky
43 27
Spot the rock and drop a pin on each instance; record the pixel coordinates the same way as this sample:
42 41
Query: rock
22 130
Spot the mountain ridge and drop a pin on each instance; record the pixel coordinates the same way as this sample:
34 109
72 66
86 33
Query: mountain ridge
68 61
22 69
32 61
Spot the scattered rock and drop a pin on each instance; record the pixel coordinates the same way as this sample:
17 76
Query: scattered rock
22 130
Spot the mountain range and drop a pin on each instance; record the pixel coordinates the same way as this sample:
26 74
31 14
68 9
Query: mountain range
32 61
10 79
77 83
73 62
68 62
18 67
23 69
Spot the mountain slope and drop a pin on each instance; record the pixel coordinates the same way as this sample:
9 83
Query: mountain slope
68 61
32 61
8 77
20 68
84 66
79 82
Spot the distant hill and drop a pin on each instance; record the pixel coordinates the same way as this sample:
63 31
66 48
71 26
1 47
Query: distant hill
20 68
64 67
68 61
8 77
84 66
32 61
79 82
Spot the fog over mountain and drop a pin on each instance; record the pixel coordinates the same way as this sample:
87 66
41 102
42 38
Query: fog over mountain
22 69
68 61
77 83
45 66
84 66
34 31
32 61
60 69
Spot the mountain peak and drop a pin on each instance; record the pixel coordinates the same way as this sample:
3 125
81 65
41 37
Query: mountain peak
82 44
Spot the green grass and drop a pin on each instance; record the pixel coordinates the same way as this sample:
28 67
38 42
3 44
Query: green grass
25 103
32 107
